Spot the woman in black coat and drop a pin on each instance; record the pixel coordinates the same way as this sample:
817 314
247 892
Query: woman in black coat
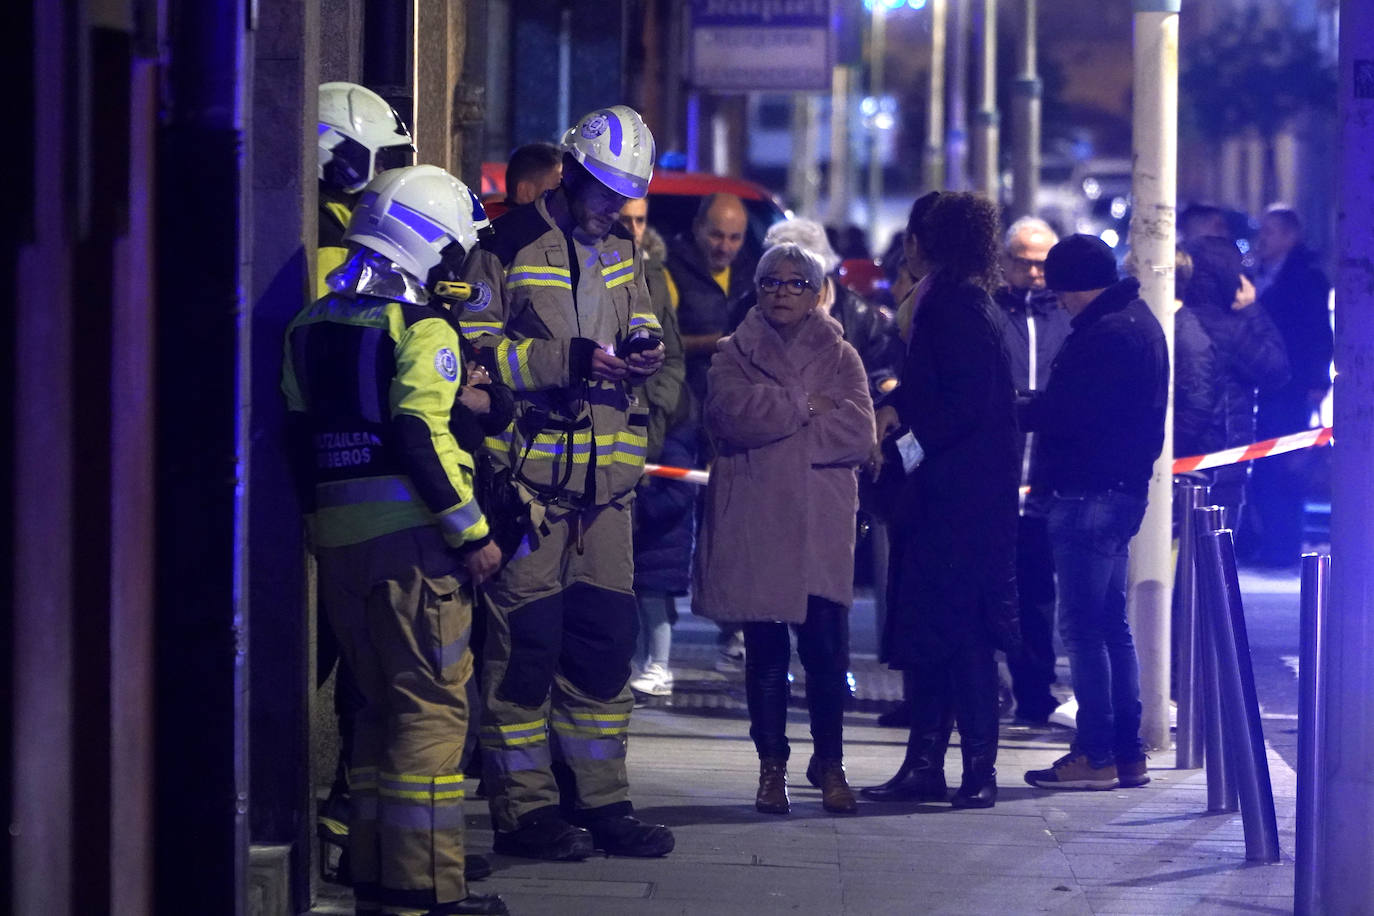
1249 352
952 587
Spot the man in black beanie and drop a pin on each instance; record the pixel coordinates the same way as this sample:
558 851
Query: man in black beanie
1100 426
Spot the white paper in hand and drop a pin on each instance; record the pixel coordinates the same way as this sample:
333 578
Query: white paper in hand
910 450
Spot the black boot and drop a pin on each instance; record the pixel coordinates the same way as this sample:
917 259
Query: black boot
978 788
922 774
771 797
627 835
547 837
473 905
978 723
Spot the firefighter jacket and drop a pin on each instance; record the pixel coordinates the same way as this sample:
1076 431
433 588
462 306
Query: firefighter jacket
575 440
370 384
336 209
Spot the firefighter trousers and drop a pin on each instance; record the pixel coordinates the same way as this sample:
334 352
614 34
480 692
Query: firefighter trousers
403 615
561 631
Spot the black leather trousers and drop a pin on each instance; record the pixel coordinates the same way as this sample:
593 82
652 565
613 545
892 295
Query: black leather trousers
823 645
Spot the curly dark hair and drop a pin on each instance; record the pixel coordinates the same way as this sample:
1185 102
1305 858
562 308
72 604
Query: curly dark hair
959 233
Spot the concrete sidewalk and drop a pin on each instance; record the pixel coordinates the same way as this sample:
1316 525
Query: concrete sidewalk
1152 850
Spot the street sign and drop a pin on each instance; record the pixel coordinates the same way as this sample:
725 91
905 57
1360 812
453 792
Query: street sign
756 45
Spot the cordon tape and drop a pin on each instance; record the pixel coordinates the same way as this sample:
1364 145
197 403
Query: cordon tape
1308 438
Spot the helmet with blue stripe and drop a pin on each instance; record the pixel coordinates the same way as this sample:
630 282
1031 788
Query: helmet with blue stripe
615 146
418 217
360 135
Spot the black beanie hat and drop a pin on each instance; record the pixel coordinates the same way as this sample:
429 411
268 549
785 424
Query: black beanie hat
1080 262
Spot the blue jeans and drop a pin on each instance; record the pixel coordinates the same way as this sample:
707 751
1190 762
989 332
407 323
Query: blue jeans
1090 533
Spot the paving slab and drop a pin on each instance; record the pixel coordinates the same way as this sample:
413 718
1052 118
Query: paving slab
1152 850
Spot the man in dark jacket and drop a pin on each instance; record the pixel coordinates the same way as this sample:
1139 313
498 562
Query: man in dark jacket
1100 427
1294 291
1033 328
706 272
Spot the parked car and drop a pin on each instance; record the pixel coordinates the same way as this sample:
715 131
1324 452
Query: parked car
674 198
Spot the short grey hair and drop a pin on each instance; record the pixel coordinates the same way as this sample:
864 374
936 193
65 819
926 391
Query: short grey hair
807 233
803 259
1031 224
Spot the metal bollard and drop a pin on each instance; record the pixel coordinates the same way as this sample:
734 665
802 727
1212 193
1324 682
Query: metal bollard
1188 736
1225 613
1221 779
1316 595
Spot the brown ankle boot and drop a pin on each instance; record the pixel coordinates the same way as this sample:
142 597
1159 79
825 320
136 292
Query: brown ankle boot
772 796
836 796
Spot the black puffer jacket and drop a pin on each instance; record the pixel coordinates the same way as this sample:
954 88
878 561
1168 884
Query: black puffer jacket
1250 353
868 328
1199 418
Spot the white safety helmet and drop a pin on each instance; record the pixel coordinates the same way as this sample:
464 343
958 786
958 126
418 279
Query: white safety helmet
615 145
418 217
360 134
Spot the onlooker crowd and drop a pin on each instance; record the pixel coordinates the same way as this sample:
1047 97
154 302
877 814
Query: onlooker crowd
472 404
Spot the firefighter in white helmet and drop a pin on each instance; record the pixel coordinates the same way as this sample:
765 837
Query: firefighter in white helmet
371 374
360 135
571 329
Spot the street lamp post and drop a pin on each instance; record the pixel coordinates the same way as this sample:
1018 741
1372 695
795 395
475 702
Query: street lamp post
839 177
986 132
933 164
1154 138
1025 163
956 136
877 50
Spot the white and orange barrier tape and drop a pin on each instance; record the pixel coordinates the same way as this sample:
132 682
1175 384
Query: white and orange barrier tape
684 474
1309 438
